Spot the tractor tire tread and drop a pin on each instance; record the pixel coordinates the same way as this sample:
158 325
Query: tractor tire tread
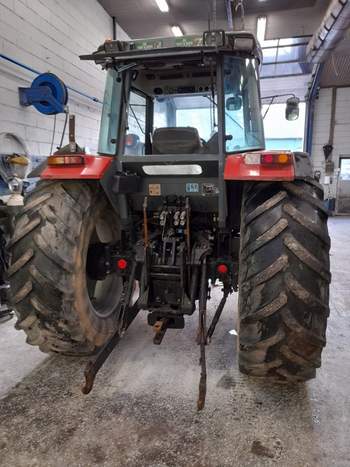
283 280
47 319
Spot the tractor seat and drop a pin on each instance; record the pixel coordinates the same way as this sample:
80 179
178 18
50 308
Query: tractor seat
212 145
176 140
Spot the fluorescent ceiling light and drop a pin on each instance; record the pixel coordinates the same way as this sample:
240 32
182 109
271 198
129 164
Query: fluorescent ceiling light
176 30
261 29
163 5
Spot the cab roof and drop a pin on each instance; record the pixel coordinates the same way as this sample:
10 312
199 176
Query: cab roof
241 43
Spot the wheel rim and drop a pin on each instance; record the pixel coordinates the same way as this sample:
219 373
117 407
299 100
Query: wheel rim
104 295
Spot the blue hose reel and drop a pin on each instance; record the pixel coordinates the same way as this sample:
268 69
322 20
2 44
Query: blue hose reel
48 94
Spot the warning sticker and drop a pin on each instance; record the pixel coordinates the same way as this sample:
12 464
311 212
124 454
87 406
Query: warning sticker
154 189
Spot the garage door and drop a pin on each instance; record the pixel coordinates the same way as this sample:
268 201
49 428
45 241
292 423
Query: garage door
344 186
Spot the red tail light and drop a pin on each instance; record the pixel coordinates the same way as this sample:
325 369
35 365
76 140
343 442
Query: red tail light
122 264
282 158
267 159
222 268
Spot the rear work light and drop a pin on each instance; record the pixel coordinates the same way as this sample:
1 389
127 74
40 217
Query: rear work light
273 158
65 160
243 43
214 38
222 268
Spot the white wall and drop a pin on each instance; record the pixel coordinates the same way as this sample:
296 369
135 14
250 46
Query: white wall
322 129
49 35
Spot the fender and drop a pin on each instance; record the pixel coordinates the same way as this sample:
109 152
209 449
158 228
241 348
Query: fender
92 168
237 169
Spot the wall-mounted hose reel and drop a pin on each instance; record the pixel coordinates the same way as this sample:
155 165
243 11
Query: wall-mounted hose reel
47 94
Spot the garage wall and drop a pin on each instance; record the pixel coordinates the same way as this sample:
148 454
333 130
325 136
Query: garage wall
48 35
321 132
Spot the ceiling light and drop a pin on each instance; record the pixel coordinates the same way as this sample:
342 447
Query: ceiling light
261 29
176 30
163 5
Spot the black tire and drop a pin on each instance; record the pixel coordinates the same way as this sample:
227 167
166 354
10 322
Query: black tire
49 285
284 280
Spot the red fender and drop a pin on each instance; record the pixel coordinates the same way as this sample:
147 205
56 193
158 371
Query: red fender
93 168
237 169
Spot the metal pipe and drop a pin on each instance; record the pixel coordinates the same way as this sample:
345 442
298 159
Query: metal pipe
36 72
217 314
229 14
145 222
331 31
222 142
202 334
310 109
194 285
114 23
333 114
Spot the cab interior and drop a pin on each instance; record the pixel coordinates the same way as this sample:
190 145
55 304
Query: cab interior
172 109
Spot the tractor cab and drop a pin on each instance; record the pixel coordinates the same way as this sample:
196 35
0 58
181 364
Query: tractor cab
176 108
193 95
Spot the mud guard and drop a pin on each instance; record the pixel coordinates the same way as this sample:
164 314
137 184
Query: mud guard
237 169
94 168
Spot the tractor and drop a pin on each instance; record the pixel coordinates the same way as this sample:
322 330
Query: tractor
182 194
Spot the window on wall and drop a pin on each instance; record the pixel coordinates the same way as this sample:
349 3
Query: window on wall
344 168
281 133
285 57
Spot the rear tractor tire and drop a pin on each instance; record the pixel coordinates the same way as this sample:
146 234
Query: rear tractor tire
57 305
284 280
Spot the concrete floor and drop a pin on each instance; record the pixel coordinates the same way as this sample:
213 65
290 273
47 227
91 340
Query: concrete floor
142 411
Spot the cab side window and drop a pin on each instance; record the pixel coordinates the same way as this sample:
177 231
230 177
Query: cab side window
136 128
